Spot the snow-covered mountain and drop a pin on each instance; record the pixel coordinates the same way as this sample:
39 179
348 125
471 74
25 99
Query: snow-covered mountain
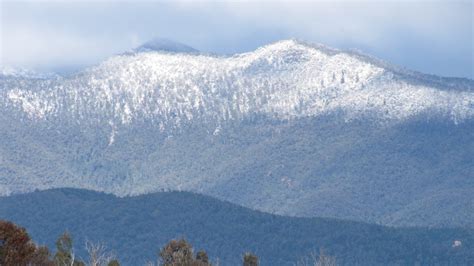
276 129
285 80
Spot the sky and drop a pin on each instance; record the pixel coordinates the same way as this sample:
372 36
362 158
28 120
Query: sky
434 37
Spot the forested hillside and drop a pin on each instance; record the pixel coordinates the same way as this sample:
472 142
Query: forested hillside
137 227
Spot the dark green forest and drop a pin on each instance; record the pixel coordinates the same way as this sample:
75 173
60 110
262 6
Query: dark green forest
136 228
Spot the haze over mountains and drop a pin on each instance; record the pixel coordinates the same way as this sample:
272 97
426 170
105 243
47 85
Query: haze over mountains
290 128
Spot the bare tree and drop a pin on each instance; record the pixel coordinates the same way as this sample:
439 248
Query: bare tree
98 254
150 263
315 259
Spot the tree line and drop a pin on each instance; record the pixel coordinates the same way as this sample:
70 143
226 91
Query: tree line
17 249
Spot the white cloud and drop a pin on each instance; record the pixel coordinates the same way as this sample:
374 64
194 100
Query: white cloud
80 32
37 46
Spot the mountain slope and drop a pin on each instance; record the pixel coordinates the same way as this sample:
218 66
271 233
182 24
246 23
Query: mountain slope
136 227
290 128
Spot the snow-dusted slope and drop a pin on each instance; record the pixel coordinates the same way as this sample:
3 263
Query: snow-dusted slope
285 80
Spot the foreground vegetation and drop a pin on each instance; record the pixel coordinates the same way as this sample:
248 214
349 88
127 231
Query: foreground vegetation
17 249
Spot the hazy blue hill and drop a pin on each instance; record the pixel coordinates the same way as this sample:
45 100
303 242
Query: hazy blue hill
136 227
165 45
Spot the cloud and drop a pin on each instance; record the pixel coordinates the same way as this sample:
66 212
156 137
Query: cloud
430 36
32 45
31 38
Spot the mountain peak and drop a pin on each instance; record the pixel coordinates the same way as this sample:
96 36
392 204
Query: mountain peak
299 44
164 45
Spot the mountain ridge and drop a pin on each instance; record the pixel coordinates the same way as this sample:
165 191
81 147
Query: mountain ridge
304 82
163 45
